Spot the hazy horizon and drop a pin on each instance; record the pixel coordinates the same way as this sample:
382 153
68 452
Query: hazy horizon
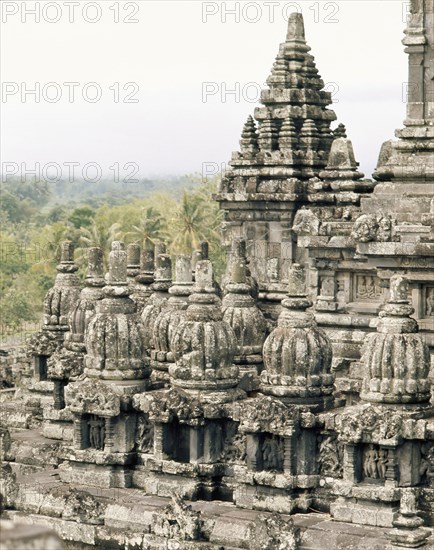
175 51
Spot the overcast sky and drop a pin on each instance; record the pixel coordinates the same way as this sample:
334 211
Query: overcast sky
175 51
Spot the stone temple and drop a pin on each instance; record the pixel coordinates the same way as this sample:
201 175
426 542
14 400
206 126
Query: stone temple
289 407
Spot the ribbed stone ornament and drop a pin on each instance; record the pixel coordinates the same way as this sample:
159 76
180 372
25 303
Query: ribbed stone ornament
114 340
204 344
170 317
144 279
240 310
68 361
158 298
396 358
297 354
61 299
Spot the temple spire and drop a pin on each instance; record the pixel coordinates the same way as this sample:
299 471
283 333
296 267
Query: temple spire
295 28
419 42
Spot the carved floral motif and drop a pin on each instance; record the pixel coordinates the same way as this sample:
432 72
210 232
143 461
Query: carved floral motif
369 424
268 415
92 397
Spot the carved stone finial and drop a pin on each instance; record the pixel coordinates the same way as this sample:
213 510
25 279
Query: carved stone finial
296 281
399 289
169 318
95 269
66 252
204 363
341 164
340 131
133 260
158 299
268 134
183 269
297 354
67 363
396 358
163 272
159 248
295 28
117 264
142 290
249 137
240 310
204 250
61 298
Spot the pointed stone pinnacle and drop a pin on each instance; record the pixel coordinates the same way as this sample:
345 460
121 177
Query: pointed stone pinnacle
295 28
183 269
398 289
133 255
95 264
147 260
296 281
163 268
340 131
66 252
117 264
204 250
204 275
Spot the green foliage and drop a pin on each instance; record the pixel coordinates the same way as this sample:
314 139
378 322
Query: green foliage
82 217
179 211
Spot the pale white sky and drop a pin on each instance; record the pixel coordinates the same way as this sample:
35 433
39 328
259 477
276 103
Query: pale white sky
170 53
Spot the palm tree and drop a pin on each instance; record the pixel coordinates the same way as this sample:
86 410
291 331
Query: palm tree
150 227
194 220
98 235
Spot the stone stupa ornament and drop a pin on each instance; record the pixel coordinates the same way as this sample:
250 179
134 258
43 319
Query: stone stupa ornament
297 354
396 358
59 302
242 314
204 345
114 340
170 317
142 290
68 362
62 297
159 296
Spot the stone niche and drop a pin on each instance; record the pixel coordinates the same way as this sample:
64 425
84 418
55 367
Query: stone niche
202 443
266 452
101 422
41 368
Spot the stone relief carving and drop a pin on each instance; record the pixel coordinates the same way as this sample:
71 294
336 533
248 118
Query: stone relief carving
175 403
269 415
272 450
367 287
368 423
306 223
330 457
429 306
375 462
144 434
371 227
92 397
96 432
234 447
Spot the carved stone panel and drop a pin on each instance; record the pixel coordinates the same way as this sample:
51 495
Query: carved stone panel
366 288
374 463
